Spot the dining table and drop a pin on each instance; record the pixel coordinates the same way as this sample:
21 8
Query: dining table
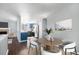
44 41
50 45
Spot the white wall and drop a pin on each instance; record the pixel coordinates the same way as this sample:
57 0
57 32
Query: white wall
19 28
70 11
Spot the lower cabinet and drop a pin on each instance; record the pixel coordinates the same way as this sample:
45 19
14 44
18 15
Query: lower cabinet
3 44
24 36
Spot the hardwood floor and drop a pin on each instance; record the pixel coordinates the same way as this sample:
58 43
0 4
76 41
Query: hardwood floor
16 47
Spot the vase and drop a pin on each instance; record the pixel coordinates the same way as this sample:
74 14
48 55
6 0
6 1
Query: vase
48 37
52 39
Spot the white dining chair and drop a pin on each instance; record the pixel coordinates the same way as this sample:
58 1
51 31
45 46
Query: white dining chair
71 48
32 44
29 40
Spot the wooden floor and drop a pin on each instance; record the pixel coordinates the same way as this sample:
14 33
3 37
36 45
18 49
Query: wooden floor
17 48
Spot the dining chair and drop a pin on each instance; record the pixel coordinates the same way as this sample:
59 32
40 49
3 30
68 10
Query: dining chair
71 48
33 44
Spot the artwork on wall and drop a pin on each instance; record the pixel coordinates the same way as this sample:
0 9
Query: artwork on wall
63 25
3 24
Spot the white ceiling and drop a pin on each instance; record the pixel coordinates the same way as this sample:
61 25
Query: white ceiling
33 10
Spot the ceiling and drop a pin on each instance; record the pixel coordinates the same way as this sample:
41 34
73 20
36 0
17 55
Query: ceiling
12 11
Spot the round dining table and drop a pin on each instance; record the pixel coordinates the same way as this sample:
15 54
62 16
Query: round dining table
44 41
49 45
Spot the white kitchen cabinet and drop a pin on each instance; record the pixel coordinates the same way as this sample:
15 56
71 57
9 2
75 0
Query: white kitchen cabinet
3 44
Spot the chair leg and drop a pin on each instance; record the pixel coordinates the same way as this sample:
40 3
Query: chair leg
65 51
40 49
36 50
29 49
75 51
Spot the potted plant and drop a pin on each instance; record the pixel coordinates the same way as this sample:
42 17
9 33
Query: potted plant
48 31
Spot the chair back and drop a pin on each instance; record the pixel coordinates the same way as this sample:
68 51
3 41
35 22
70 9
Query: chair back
70 47
32 41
